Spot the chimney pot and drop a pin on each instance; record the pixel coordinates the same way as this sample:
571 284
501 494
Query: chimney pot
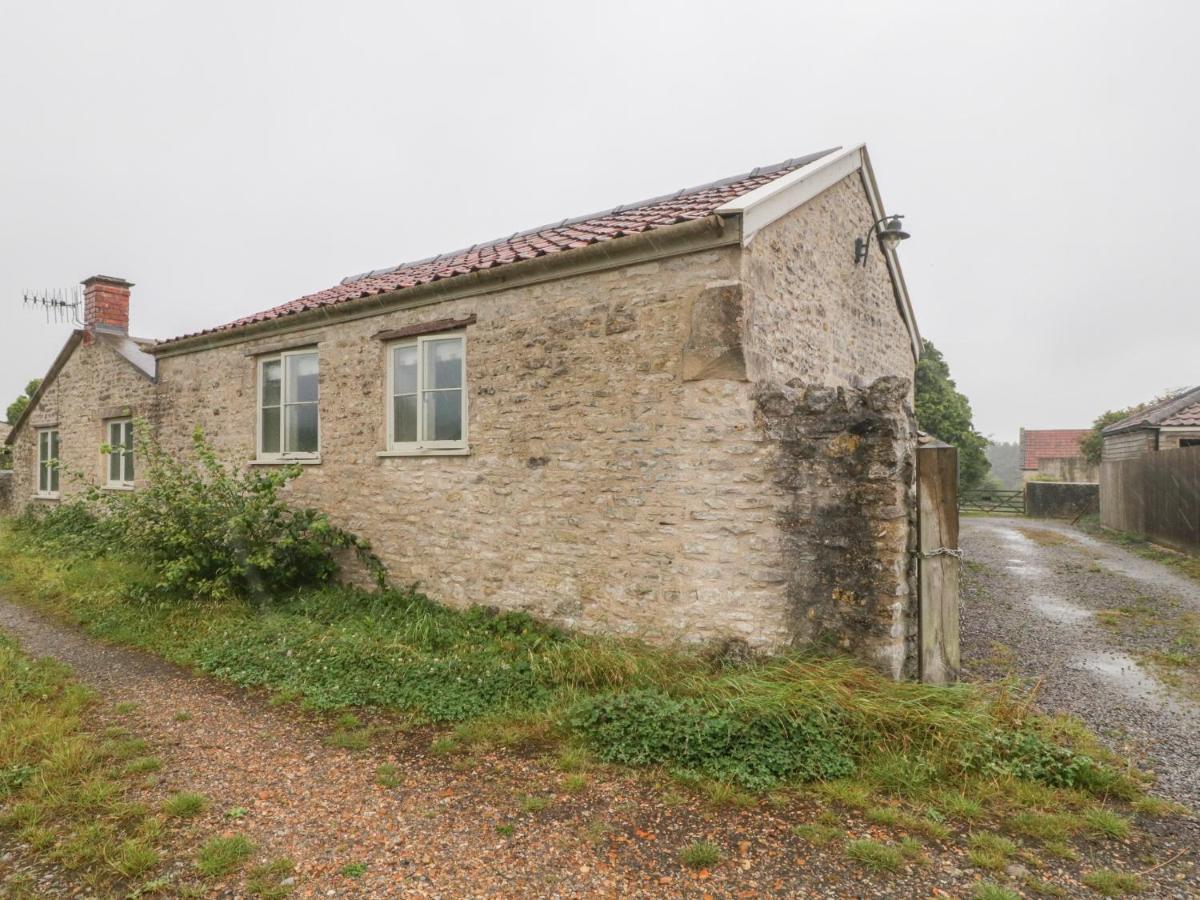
106 304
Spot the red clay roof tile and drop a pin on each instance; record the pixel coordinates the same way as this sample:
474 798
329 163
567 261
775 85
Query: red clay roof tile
660 212
1060 443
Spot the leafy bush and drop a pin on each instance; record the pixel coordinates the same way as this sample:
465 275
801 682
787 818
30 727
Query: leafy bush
729 742
208 529
1027 755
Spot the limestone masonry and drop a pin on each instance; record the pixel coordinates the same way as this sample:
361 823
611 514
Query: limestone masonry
688 434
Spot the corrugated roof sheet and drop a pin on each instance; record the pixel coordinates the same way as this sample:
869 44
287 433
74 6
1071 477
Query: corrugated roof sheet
569 234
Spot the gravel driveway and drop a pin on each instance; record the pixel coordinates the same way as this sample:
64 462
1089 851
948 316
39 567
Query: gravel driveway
1032 589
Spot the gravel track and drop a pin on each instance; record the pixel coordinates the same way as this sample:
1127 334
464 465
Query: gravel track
1031 591
435 834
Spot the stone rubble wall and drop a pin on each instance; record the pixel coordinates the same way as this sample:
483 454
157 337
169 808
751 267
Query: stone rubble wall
846 462
94 385
711 447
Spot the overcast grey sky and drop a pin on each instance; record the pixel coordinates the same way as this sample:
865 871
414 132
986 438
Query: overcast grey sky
227 157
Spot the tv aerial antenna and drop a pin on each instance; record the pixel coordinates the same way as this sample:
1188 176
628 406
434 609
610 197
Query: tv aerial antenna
59 304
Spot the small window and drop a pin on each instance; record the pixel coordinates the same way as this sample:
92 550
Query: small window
47 485
427 394
1189 442
120 453
288 406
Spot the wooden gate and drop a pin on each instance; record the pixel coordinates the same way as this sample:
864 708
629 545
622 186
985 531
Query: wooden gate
939 560
988 501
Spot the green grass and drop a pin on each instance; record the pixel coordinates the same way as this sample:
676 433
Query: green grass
875 856
388 776
990 851
143 764
354 870
817 833
534 803
987 890
739 728
1106 823
185 805
221 855
700 855
271 880
959 806
1045 827
66 784
573 784
1108 883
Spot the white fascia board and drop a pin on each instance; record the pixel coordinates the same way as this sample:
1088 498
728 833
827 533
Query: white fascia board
775 199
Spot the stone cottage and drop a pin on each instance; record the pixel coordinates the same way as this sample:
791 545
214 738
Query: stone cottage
686 419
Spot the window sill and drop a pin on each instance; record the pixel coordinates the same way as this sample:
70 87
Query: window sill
118 487
426 451
47 496
294 461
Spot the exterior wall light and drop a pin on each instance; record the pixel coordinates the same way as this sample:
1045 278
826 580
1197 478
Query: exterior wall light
890 234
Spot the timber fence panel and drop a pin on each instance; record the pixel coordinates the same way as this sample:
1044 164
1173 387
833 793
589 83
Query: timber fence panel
1156 496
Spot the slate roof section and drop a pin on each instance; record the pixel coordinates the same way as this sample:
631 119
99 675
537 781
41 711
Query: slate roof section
1180 411
682 206
1050 443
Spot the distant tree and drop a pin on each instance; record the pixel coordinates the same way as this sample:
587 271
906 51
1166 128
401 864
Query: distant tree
18 406
1005 460
946 414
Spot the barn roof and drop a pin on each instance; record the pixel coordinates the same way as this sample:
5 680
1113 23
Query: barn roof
1050 443
1179 410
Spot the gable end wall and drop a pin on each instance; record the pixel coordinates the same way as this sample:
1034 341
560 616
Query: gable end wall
95 383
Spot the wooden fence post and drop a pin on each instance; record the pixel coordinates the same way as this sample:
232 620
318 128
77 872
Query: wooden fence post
938 562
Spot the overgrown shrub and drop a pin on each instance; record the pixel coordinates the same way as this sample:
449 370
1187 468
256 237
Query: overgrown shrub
1027 755
208 529
729 742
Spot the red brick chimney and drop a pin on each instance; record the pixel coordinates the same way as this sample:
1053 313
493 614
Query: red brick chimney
106 304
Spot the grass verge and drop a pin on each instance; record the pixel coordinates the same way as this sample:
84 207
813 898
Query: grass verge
731 726
66 789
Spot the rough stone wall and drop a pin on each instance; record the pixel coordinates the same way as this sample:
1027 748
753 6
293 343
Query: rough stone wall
624 472
846 464
95 384
1066 468
1060 500
602 490
708 447
811 312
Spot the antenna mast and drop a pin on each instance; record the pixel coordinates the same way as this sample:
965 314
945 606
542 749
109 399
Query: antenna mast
59 304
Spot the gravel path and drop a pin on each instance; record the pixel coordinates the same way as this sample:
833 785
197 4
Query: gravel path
435 833
1031 591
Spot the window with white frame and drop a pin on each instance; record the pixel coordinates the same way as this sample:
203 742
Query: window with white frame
288 401
47 484
427 395
120 453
